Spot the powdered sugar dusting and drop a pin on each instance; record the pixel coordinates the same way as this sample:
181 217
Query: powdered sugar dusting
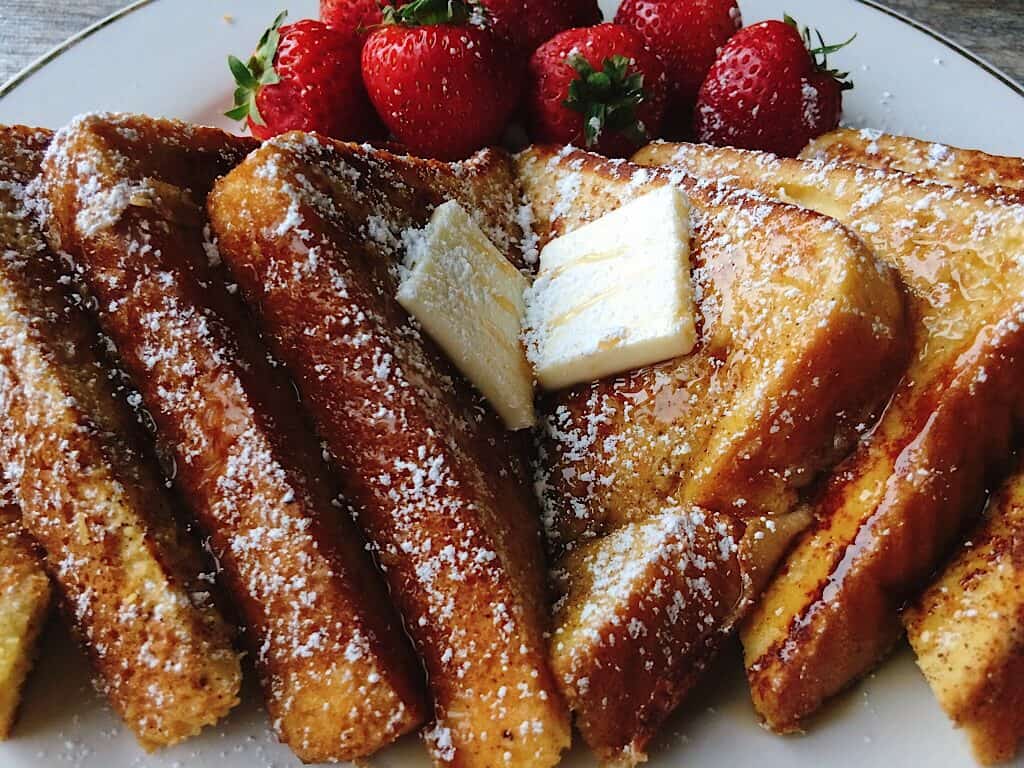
960 252
651 474
131 579
453 532
251 474
951 165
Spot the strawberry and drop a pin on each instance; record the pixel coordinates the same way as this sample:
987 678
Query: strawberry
352 15
528 23
771 89
442 80
687 36
305 77
598 85
823 104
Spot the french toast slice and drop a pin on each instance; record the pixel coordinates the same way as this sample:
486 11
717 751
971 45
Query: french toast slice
929 160
127 201
130 577
893 511
670 492
314 231
24 606
968 630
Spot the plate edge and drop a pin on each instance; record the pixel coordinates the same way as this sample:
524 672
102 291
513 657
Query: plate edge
33 67
972 57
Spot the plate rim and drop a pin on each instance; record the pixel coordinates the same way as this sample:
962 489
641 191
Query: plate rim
20 78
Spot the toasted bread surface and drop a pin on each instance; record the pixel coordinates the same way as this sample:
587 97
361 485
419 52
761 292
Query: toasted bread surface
130 577
894 510
24 605
25 592
939 162
314 232
968 630
668 491
127 197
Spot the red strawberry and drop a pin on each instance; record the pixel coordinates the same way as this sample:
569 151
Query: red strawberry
823 104
352 15
687 36
443 81
528 23
303 77
598 85
769 91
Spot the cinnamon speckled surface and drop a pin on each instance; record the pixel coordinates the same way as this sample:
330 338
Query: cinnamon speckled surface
990 28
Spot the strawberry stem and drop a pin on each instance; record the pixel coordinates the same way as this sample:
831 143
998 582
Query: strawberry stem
822 50
425 13
607 98
257 72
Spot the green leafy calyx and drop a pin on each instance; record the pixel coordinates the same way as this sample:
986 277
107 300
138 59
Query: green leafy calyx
607 98
820 52
257 72
425 13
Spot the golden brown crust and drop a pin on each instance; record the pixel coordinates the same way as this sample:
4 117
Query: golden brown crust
968 627
894 510
129 576
968 630
997 175
312 229
675 481
750 417
24 605
24 587
128 197
644 610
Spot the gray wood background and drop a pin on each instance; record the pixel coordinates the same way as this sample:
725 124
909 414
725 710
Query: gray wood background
993 29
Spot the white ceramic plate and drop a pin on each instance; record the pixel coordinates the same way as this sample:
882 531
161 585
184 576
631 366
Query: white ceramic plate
167 57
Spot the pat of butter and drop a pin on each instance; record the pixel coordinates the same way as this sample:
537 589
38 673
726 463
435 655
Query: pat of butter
469 299
615 294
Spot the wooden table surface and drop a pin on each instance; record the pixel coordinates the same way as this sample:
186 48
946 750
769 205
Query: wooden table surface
993 29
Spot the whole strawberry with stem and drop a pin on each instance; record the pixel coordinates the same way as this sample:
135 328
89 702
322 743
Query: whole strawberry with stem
528 23
358 16
303 77
771 89
441 78
687 36
600 87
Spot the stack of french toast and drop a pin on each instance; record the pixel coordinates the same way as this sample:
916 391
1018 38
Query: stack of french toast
230 438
